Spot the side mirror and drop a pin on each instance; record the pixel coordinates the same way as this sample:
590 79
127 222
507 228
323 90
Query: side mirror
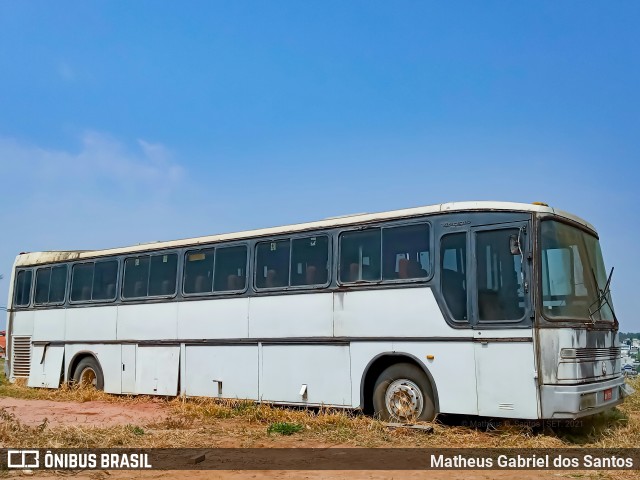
514 245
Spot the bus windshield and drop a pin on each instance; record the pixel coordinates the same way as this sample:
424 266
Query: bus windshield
573 273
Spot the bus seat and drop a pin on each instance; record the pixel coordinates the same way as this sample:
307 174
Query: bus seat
489 305
410 269
86 292
415 270
111 291
272 279
403 268
354 269
310 276
139 289
235 282
200 284
165 288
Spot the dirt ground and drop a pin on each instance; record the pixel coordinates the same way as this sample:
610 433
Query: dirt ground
329 475
33 412
103 414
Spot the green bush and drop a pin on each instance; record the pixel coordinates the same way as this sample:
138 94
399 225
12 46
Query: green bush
284 428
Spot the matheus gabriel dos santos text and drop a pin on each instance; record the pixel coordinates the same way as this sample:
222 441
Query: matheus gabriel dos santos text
532 461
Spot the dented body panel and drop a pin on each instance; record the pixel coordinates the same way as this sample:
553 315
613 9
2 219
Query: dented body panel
576 365
570 356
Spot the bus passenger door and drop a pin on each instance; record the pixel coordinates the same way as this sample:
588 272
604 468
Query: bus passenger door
502 322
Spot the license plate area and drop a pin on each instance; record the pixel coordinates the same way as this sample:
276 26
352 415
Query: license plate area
588 400
608 394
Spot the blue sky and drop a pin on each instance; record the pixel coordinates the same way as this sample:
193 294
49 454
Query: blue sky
126 122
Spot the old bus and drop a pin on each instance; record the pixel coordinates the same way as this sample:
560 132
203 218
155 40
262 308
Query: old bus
477 308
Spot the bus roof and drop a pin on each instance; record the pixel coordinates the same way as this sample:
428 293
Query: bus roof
37 258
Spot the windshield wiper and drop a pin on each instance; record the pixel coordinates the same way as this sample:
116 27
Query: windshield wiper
603 298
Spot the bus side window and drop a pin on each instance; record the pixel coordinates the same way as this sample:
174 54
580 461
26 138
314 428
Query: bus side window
162 276
43 281
310 261
104 280
405 252
360 256
82 281
453 263
58 286
198 271
230 271
50 285
136 277
272 264
23 288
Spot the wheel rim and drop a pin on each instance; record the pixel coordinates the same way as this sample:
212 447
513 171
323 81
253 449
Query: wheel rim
88 377
404 399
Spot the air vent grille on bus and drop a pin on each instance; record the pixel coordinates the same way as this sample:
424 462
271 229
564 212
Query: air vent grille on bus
21 350
591 353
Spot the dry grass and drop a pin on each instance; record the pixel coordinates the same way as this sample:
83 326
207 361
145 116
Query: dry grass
216 423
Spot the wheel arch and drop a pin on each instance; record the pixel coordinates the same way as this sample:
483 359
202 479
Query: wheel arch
378 364
77 358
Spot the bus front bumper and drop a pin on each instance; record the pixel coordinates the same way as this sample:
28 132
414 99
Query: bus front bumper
575 401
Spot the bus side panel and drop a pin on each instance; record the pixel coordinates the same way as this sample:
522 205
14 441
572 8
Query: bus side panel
153 321
95 323
305 315
220 318
49 325
306 374
22 324
157 370
222 371
452 370
46 366
506 378
109 358
408 312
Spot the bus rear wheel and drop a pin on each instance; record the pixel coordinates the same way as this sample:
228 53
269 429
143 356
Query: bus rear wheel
89 374
403 394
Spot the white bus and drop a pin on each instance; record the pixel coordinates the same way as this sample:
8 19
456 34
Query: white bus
477 308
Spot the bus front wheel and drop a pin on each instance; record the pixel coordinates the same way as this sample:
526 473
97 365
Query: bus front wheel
88 373
403 393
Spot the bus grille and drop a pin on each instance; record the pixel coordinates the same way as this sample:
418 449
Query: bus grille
21 350
591 353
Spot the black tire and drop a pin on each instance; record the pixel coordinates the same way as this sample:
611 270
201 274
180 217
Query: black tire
412 387
89 372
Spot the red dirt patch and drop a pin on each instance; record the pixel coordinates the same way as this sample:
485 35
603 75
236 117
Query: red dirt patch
103 414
